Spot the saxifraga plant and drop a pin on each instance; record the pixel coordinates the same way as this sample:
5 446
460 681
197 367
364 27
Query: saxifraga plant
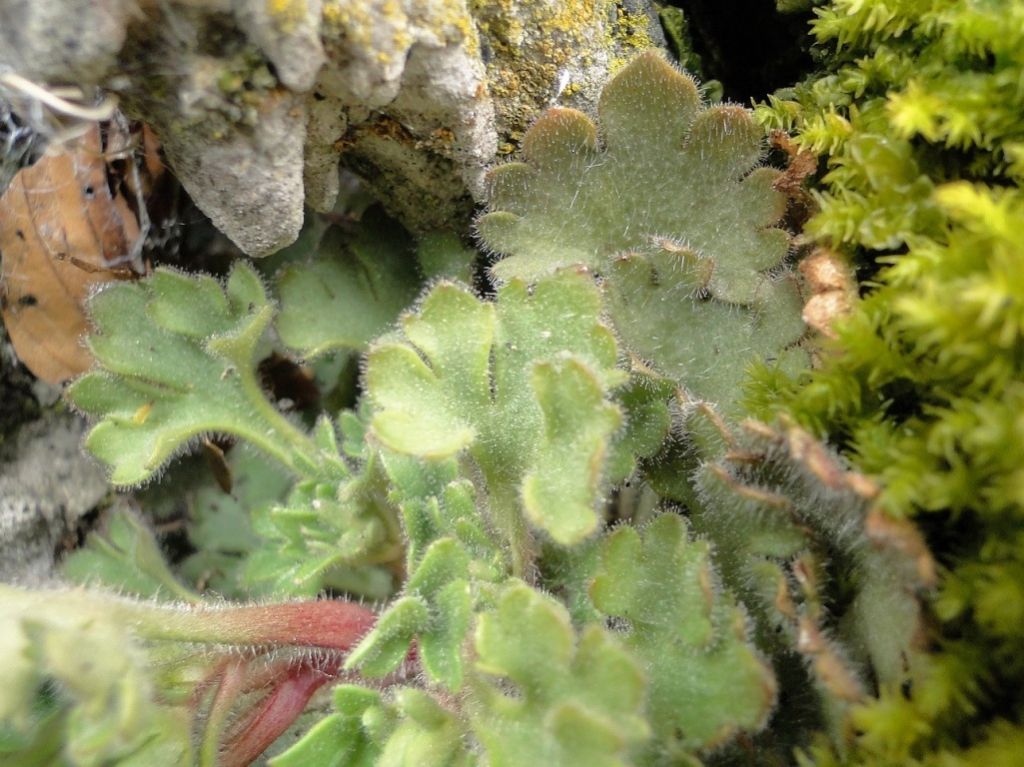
750 592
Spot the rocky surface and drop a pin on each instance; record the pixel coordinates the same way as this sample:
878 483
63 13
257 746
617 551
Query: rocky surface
258 102
46 485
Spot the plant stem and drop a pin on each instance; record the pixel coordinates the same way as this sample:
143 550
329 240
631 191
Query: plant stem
507 516
230 684
263 724
240 350
297 441
325 624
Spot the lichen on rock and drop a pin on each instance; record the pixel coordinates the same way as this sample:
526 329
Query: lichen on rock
258 103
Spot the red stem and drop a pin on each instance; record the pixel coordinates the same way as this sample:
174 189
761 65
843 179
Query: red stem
231 679
327 624
265 722
322 625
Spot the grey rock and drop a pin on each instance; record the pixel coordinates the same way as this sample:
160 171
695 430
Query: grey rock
46 486
62 41
248 180
259 103
326 121
290 38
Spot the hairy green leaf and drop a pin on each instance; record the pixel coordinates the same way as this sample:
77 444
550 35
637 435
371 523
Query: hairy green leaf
706 679
573 700
351 290
788 521
441 510
221 525
125 557
184 367
691 267
409 731
495 380
326 533
337 740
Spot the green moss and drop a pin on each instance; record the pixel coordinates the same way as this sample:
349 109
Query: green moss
677 32
920 118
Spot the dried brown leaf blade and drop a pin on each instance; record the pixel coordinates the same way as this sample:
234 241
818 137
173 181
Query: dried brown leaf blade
62 232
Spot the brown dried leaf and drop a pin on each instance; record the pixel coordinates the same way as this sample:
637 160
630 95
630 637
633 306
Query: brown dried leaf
793 181
802 165
833 290
62 232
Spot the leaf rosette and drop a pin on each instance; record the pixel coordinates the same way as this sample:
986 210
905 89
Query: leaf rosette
670 207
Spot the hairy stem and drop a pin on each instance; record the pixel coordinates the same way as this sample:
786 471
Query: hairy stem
507 516
325 624
265 722
286 440
230 684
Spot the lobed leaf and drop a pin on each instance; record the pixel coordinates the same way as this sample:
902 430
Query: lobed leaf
789 521
672 211
706 679
573 701
495 381
644 401
339 533
558 490
222 526
177 360
449 556
705 345
350 291
578 203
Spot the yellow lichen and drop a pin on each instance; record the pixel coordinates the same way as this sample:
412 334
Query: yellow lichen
287 14
630 34
352 22
334 15
633 29
536 43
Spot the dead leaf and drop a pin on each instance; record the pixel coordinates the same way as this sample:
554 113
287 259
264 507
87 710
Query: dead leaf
833 290
218 464
793 180
63 230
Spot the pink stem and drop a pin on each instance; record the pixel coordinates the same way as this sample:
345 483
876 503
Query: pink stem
326 624
323 625
231 680
263 724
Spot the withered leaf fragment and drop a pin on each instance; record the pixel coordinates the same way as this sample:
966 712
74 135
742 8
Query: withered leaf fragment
62 232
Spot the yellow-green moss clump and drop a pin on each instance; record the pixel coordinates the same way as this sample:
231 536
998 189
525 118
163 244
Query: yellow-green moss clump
920 117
